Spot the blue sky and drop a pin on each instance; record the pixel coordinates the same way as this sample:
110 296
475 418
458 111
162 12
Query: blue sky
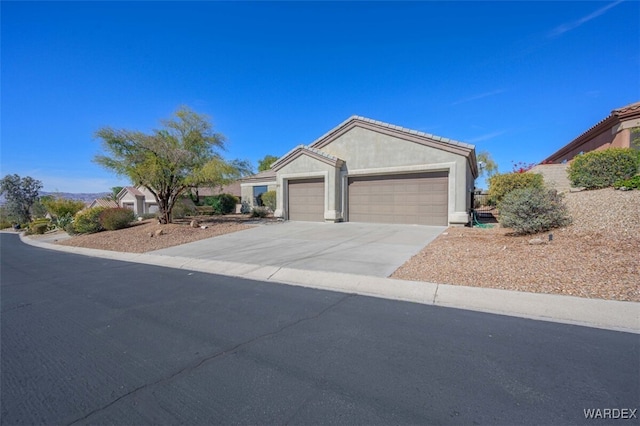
518 79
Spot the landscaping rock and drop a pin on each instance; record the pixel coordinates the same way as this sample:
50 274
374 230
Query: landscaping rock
150 234
203 227
159 232
194 224
536 242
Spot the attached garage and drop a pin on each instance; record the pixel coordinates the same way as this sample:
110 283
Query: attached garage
306 199
416 198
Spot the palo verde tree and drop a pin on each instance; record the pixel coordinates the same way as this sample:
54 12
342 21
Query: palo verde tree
20 194
183 154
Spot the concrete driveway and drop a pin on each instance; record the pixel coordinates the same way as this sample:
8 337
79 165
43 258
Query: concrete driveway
355 248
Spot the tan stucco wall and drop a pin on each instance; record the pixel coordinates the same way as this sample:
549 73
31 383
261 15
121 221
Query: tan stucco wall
305 167
246 190
364 149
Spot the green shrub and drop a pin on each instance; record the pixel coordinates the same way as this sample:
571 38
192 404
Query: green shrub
59 207
633 183
259 212
62 221
533 210
601 169
269 199
204 210
501 184
116 218
39 228
223 203
4 224
88 221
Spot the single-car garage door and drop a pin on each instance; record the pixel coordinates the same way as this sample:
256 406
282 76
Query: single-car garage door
416 198
306 199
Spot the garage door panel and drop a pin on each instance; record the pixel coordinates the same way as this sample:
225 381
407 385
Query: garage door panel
417 198
306 199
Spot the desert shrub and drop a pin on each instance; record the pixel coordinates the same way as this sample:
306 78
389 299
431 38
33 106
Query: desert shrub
601 169
259 212
4 224
88 221
245 208
116 218
223 203
633 183
183 208
61 222
501 184
39 228
533 210
204 210
149 215
269 199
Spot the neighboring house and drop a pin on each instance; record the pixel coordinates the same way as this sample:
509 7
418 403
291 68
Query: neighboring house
103 202
613 131
139 199
232 188
369 171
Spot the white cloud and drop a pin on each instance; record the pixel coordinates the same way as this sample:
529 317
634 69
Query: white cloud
487 136
561 29
480 96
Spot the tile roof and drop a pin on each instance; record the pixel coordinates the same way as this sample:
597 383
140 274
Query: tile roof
102 202
313 151
394 127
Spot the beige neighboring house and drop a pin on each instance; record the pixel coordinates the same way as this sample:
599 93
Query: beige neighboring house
103 202
614 131
365 170
611 132
139 199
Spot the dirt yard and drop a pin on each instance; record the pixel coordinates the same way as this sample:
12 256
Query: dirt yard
141 237
598 256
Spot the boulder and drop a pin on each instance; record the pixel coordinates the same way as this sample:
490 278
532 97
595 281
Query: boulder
194 224
158 232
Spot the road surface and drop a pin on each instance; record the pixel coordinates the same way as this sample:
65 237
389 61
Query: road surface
93 341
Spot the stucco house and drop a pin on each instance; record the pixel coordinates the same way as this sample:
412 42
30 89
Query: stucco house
365 170
139 199
614 131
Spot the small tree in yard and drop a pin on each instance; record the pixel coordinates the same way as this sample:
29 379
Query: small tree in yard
61 207
266 162
183 154
20 194
532 210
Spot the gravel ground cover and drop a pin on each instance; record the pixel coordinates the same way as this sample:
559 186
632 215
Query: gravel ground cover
598 256
141 237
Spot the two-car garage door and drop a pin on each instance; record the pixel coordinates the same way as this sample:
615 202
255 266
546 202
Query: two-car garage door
417 198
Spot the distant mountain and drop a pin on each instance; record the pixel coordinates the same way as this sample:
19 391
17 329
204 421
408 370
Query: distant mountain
86 197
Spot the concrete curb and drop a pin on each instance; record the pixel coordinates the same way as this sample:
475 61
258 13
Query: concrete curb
598 313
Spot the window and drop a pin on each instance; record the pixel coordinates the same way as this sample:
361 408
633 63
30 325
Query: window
257 194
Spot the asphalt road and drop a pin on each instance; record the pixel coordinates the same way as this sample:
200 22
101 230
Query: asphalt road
93 341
